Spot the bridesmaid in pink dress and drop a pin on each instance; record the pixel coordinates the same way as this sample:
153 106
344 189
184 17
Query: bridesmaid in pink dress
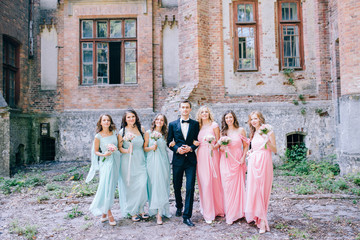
260 172
208 174
233 167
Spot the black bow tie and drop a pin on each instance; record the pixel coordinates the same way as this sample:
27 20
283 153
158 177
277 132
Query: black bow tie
185 121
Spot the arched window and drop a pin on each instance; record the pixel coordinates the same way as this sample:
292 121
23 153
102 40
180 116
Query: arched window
294 138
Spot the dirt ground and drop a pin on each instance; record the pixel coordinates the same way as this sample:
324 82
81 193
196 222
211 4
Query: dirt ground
291 216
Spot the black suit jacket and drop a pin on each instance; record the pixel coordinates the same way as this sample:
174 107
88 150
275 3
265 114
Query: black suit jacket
176 135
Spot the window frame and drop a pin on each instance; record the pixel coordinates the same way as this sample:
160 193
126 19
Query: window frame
7 68
298 23
237 25
94 40
292 143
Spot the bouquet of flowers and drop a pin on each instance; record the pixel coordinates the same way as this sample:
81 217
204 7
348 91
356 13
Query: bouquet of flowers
156 136
110 148
209 139
265 129
224 141
129 137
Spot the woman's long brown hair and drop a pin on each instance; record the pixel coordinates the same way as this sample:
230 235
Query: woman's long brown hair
224 126
99 127
252 128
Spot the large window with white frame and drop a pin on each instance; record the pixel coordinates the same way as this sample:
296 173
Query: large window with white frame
246 37
290 29
108 51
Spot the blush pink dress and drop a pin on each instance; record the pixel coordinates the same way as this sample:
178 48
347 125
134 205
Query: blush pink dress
208 176
233 178
259 182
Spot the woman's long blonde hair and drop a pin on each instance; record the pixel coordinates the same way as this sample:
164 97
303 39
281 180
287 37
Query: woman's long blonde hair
253 129
198 115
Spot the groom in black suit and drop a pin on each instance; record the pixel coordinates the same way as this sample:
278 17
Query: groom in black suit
184 131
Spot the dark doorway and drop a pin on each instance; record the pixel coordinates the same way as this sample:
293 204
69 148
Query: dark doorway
47 148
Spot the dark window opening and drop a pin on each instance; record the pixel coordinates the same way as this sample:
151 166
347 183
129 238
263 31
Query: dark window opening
10 86
115 62
294 139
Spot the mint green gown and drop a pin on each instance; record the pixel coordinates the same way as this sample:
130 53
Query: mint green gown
158 169
108 176
133 194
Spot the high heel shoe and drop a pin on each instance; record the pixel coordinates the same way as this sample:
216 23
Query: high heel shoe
113 222
103 219
262 227
159 219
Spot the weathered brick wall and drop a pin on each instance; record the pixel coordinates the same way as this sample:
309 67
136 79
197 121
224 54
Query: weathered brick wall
4 139
75 96
14 18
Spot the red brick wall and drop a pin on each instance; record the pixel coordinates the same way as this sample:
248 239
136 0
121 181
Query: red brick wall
73 95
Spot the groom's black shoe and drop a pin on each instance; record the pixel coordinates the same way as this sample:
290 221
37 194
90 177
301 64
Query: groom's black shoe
188 222
178 212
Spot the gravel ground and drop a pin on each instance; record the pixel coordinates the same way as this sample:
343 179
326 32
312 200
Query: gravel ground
291 216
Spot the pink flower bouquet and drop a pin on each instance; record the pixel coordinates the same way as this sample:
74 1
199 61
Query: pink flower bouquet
209 139
129 137
110 148
224 141
265 129
156 136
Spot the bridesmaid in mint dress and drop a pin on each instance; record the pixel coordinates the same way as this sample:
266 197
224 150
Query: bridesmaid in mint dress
133 175
108 167
158 169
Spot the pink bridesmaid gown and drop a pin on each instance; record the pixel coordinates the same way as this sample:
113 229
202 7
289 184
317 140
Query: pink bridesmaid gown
233 179
259 182
208 176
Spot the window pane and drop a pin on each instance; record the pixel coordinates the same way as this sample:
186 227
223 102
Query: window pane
11 88
246 48
289 11
87 29
102 63
245 13
130 72
87 67
130 28
12 55
102 29
291 47
130 55
115 28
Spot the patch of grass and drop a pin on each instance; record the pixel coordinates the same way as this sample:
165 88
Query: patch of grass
52 187
42 198
83 189
86 226
61 177
74 213
357 237
254 237
304 189
28 231
281 226
295 233
21 181
86 218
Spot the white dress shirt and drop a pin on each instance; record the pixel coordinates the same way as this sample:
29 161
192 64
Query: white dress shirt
184 127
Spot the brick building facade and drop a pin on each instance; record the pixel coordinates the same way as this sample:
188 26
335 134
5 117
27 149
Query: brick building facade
293 60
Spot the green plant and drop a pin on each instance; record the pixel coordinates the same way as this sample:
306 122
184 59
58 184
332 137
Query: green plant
304 189
281 226
296 153
42 198
295 233
318 110
28 231
80 190
61 177
291 81
74 213
303 111
288 71
296 102
52 187
86 226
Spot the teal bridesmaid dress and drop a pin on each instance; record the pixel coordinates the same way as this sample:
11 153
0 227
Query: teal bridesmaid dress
108 176
132 184
158 169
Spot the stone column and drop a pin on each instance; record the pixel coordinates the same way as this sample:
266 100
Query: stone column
349 40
